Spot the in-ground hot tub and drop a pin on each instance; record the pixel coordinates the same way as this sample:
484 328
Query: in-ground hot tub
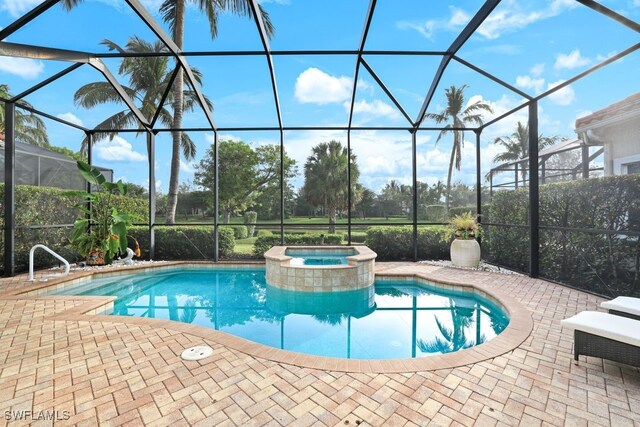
320 268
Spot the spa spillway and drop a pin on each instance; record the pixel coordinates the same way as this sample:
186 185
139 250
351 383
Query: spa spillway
320 268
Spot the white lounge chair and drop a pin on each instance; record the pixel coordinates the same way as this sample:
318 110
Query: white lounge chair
605 335
623 306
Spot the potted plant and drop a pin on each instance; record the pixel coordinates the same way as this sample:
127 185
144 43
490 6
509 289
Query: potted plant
100 233
464 250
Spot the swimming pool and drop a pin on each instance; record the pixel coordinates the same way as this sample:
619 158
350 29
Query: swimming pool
393 319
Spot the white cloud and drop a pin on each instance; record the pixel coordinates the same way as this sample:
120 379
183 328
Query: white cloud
221 137
314 86
23 67
564 96
70 117
528 82
570 60
119 150
601 57
187 167
375 108
537 70
17 8
458 19
145 185
510 16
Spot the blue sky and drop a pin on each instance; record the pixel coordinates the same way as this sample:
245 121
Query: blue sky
531 45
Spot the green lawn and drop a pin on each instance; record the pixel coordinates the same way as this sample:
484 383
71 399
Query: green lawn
245 246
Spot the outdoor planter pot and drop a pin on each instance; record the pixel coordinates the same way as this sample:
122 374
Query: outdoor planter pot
465 253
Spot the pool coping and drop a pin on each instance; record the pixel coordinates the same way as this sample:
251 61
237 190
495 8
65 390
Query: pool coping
91 309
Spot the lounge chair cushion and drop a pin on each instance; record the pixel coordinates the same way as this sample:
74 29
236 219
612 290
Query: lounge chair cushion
606 325
625 304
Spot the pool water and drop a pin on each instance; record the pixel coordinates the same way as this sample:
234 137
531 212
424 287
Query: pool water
393 319
301 257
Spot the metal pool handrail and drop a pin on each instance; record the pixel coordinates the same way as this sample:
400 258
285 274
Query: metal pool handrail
45 278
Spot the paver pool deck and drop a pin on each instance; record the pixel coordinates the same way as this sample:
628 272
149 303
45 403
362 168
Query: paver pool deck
53 357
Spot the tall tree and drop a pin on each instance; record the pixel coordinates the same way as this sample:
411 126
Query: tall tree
148 79
244 173
173 12
396 198
517 147
457 116
325 179
29 128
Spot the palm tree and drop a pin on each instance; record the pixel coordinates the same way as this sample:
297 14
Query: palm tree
29 128
456 115
173 12
148 80
325 178
454 339
517 147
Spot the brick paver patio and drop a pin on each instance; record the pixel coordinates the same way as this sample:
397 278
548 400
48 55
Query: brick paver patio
114 373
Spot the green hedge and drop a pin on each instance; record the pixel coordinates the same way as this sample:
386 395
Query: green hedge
239 231
264 243
604 263
47 206
396 242
184 242
356 236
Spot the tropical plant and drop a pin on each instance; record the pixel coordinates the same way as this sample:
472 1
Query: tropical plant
464 226
29 128
100 231
325 179
148 79
517 147
457 116
173 13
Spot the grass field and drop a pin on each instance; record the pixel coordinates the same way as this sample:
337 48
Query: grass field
294 224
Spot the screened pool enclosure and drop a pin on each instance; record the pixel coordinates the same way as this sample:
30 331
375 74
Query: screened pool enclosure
368 85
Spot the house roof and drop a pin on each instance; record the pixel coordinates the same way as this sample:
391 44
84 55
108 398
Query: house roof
618 110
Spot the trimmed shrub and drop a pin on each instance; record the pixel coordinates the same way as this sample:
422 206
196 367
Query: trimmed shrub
356 236
239 231
396 242
184 242
264 243
250 219
265 233
607 263
459 210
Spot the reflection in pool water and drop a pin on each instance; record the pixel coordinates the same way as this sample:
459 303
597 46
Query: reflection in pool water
400 320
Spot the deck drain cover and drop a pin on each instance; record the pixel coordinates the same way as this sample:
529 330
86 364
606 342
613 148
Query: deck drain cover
197 353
